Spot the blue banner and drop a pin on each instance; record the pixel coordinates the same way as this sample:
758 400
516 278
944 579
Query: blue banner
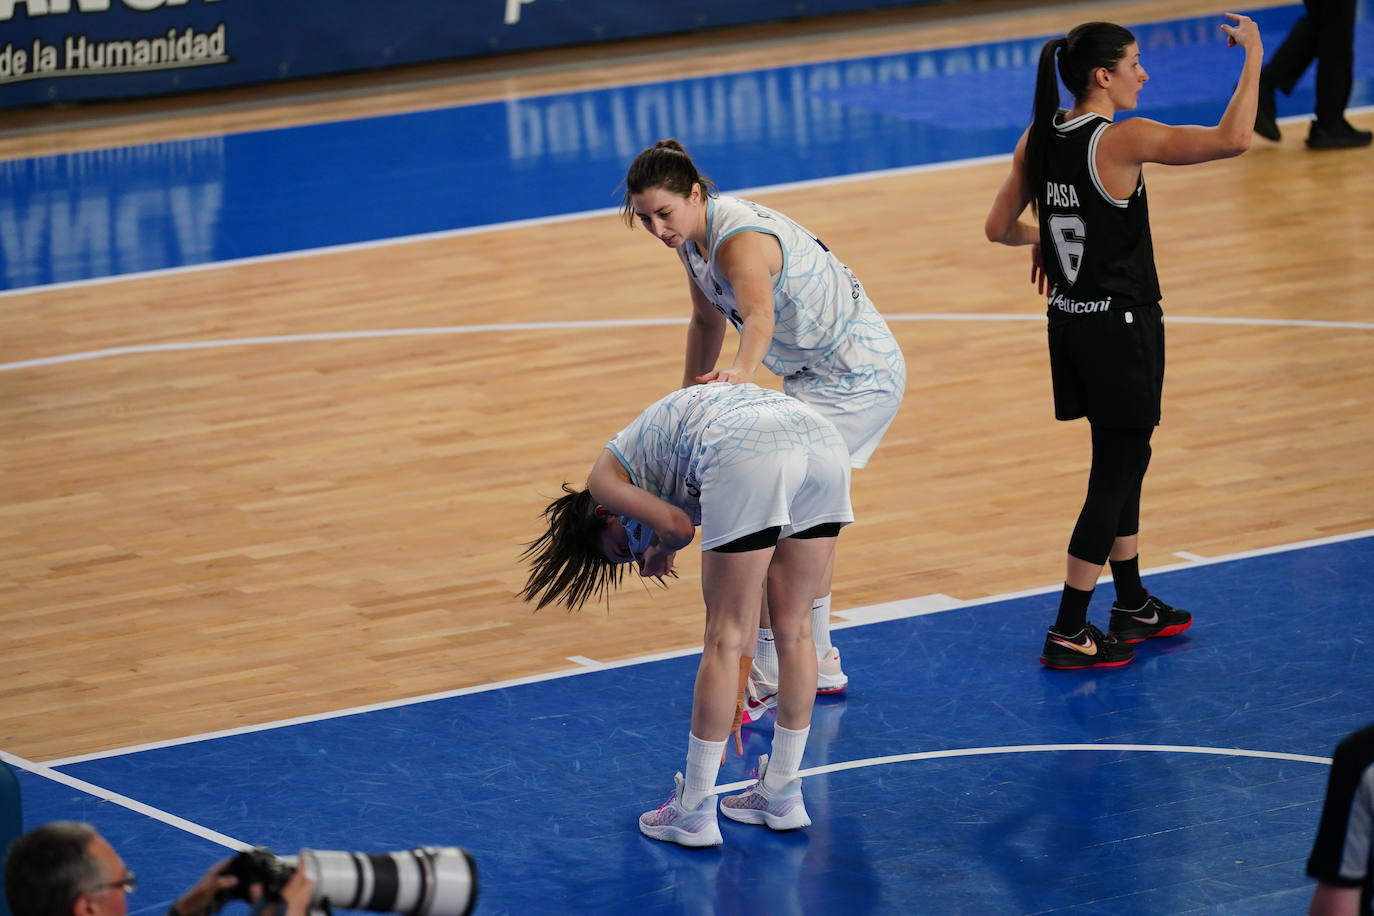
62 50
83 215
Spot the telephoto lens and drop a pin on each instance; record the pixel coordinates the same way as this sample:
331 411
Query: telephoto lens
429 881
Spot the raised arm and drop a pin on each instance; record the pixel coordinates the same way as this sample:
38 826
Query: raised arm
1126 146
749 262
705 333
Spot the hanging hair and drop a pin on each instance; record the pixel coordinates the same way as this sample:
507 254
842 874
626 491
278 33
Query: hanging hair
664 165
566 564
1086 48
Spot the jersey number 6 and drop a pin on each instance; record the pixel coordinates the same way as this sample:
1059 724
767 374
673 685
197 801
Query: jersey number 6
1069 234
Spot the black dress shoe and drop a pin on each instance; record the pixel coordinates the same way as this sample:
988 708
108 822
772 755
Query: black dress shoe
1341 135
1266 124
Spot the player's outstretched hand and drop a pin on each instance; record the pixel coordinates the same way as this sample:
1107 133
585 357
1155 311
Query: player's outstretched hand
1244 33
736 729
729 376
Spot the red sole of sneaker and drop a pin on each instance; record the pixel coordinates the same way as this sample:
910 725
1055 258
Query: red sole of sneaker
1167 631
829 691
1081 667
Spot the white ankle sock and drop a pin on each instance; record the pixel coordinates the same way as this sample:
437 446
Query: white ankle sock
703 763
766 656
785 759
820 625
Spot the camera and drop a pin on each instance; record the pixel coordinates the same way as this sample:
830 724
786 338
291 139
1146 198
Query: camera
428 881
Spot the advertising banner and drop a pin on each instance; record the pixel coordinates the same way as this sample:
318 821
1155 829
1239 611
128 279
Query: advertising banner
61 50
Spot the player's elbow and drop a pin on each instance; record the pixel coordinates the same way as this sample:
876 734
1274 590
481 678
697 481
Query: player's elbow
995 230
679 534
1238 143
1231 141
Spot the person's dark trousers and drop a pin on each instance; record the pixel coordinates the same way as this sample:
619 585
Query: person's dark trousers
1326 33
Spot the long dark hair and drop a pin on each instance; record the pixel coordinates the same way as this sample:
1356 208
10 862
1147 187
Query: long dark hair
664 165
566 564
1083 50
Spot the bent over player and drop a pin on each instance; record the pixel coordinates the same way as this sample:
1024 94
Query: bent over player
767 480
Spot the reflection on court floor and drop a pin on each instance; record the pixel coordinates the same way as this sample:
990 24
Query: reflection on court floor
1191 778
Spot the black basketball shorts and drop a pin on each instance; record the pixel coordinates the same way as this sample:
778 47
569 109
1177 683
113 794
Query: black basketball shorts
1109 366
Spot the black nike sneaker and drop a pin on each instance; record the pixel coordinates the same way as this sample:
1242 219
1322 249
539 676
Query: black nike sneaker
1156 619
1088 648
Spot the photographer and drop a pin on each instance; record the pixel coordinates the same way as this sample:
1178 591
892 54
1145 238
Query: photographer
66 868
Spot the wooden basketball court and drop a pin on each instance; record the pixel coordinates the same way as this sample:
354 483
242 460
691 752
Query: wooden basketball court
200 539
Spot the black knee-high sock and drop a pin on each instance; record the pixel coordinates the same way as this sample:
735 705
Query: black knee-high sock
1130 592
1073 610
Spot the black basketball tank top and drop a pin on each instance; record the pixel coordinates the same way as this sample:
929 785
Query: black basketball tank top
1096 250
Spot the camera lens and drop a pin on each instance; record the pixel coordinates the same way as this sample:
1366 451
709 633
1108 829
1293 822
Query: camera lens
429 881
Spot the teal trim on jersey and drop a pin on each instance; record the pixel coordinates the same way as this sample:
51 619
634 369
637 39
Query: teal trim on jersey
624 463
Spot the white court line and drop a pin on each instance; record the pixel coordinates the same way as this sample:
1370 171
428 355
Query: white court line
137 807
1189 556
891 611
598 324
230 842
586 662
520 224
1031 749
930 604
488 227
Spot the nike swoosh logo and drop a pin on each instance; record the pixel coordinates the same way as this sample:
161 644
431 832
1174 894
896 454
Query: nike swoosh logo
1153 618
1087 647
762 702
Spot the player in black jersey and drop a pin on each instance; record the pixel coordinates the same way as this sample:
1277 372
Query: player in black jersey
1081 173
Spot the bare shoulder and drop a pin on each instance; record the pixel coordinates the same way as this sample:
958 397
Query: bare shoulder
1134 140
750 248
1134 130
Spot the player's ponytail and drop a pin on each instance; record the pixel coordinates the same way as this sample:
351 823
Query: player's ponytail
664 165
1043 109
1086 48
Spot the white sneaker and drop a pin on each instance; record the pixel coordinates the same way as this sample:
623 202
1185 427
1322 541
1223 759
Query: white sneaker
784 810
829 677
675 824
759 697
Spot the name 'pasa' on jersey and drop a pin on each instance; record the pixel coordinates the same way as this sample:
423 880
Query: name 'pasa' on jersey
1060 194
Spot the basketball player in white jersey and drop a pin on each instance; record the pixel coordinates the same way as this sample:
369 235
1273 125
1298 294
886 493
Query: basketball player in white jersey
767 480
799 312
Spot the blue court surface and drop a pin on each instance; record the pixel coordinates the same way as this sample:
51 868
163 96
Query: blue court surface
168 205
955 776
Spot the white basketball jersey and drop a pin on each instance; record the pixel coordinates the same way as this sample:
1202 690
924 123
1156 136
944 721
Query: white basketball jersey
761 457
818 304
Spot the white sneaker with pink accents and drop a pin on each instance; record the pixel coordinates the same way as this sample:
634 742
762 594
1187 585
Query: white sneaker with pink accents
673 823
784 810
